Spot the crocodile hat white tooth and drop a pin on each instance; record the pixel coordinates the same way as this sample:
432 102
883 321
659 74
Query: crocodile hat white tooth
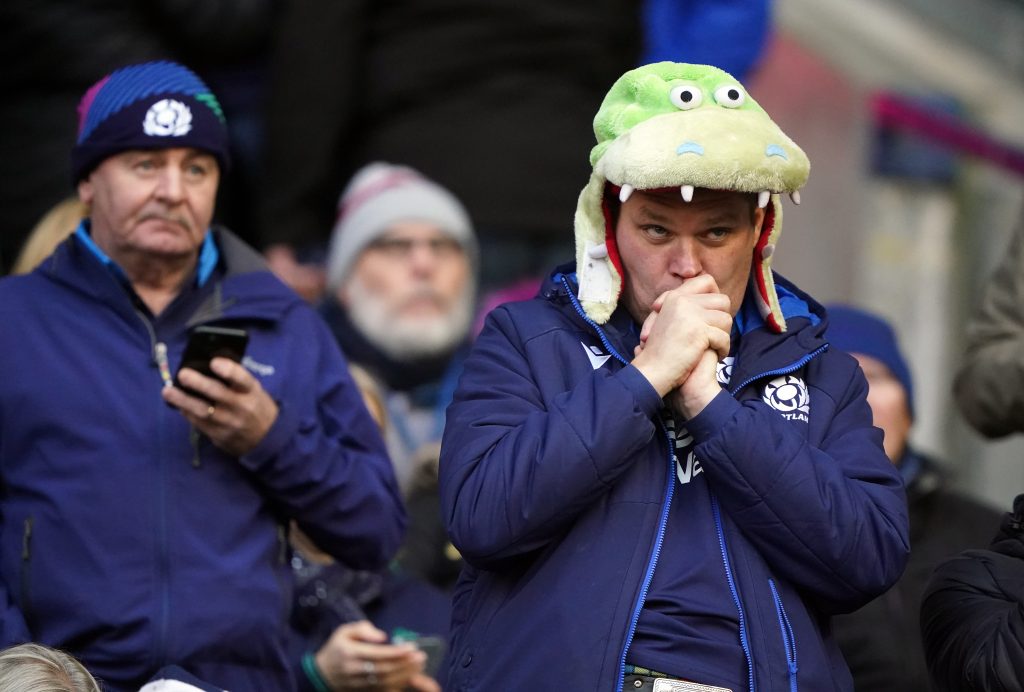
763 197
795 196
598 251
687 193
624 192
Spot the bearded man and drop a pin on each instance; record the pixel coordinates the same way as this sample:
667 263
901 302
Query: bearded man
401 277
401 285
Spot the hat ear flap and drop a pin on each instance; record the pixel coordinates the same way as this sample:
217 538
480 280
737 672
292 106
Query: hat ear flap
761 271
600 280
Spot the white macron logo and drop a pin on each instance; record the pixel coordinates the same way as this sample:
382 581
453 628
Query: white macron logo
693 468
597 359
167 118
257 368
788 395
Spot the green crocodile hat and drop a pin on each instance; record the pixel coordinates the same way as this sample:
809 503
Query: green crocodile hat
675 125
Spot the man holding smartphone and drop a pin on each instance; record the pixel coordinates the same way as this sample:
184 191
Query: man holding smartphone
144 523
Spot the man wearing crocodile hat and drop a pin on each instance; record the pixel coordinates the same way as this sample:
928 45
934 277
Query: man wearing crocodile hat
658 474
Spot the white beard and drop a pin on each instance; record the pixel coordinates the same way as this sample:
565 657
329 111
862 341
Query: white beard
408 338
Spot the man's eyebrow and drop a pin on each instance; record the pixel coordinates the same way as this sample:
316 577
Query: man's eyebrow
199 153
652 214
724 218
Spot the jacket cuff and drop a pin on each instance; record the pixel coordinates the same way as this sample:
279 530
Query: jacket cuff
713 418
284 428
646 395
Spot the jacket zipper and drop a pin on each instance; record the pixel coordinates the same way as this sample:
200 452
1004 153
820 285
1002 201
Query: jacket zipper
744 642
788 639
666 503
793 367
159 355
193 438
26 564
280 563
163 365
734 592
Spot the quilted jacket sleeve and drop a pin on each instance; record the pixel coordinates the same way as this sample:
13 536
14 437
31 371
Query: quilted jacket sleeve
972 617
517 467
324 461
829 515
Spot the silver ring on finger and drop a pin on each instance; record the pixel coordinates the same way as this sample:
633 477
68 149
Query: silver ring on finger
210 411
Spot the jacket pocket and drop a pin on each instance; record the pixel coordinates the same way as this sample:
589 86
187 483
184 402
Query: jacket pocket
24 597
786 630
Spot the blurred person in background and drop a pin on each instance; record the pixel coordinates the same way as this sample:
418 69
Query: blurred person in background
401 276
972 615
490 98
351 624
989 386
55 226
38 668
881 641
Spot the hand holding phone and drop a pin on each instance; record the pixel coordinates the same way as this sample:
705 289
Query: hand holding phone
206 343
236 416
432 646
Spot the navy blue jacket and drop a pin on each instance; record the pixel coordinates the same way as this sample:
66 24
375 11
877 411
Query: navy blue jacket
556 478
132 542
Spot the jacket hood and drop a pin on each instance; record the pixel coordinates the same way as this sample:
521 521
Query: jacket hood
807 317
794 302
675 125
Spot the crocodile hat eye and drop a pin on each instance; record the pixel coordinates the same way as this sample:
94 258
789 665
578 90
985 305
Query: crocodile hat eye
730 96
686 97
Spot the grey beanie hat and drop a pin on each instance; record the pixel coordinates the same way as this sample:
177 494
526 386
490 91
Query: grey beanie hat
382 194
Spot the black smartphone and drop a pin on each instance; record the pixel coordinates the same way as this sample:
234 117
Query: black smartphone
206 343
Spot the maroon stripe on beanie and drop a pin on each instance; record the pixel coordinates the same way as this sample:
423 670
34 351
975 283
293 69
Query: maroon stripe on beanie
366 192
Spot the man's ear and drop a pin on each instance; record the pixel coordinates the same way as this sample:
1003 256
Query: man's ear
85 190
759 215
341 293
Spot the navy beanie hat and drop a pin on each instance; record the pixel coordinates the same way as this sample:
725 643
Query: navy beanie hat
155 105
856 331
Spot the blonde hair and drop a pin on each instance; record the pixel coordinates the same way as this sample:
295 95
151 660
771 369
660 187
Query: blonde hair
56 225
373 398
38 668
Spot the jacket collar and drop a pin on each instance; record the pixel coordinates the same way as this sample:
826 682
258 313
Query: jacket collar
246 289
760 349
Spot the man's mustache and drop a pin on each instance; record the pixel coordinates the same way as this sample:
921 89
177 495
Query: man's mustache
424 293
168 218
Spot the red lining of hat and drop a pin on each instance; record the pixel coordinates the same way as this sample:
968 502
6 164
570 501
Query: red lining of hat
609 235
758 260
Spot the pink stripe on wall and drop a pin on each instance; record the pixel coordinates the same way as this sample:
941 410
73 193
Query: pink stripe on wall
892 111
